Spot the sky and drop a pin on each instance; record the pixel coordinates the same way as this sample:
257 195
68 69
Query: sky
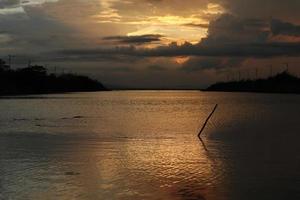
153 43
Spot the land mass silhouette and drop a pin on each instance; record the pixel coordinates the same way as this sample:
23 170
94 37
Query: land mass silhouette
36 80
280 83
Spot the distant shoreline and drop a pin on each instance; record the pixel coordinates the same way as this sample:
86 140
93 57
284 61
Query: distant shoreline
35 79
282 83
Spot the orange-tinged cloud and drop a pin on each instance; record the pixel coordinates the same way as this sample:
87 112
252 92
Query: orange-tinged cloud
181 59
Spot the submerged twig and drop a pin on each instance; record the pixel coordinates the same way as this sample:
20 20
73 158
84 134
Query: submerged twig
204 125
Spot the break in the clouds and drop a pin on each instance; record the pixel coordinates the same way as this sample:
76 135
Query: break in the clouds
142 42
10 7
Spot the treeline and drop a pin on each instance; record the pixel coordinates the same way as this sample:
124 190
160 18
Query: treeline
281 83
36 80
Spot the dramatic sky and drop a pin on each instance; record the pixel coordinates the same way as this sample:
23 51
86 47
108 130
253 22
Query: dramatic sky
153 43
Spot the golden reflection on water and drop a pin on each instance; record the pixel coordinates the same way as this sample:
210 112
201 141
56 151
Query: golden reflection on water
137 169
144 145
175 165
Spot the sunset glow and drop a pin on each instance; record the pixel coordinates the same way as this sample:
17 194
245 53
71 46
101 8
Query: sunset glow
120 41
149 99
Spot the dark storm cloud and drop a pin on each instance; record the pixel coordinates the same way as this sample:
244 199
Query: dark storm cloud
228 36
284 28
236 35
197 63
264 9
8 3
118 69
197 25
139 39
203 63
230 29
34 32
255 50
157 68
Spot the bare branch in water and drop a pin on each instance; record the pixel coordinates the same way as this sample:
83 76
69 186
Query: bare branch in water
205 123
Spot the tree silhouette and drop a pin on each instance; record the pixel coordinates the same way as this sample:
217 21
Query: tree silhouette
36 80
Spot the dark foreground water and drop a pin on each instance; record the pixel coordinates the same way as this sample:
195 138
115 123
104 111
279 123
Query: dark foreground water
143 145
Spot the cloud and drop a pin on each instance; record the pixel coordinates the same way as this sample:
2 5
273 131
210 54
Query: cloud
157 68
195 64
220 34
34 33
230 29
284 28
9 3
255 50
10 8
17 7
229 36
287 10
117 69
165 17
5 38
195 25
36 2
139 39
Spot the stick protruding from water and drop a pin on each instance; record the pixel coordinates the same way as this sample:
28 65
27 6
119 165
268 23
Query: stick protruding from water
205 123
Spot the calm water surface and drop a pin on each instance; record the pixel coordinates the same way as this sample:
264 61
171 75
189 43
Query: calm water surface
143 145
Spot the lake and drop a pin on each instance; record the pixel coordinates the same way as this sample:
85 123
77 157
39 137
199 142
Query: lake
144 145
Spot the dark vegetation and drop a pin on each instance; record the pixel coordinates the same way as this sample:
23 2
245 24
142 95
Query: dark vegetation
281 83
36 80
